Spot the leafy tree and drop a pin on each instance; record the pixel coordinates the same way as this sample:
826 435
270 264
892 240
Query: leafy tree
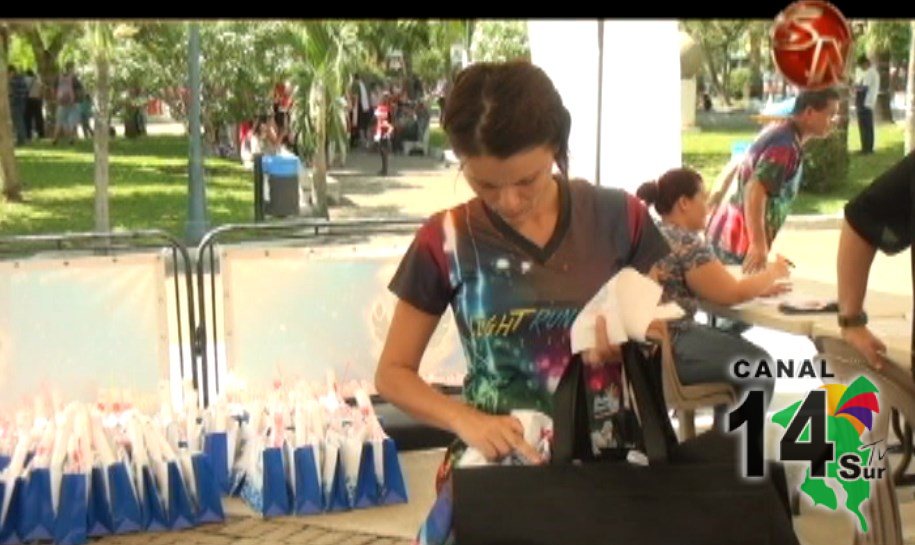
720 39
500 41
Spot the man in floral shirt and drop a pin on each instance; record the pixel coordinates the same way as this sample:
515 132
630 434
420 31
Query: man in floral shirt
742 230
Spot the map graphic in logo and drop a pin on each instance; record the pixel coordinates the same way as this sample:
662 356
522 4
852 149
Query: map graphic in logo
850 464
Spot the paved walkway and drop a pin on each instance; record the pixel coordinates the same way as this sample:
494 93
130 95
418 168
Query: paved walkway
254 531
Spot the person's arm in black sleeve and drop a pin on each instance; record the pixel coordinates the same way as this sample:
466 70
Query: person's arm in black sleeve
879 217
881 214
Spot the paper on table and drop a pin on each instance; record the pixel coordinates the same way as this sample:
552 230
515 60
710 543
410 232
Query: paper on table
628 302
794 298
798 300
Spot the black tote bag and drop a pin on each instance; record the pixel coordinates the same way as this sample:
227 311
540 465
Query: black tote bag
689 494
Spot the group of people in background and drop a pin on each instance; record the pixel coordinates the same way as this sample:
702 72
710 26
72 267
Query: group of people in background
378 116
386 115
27 92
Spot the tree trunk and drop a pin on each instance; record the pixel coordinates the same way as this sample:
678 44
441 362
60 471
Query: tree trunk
726 81
9 176
471 25
131 125
884 113
319 164
910 96
713 73
46 57
48 70
755 82
102 223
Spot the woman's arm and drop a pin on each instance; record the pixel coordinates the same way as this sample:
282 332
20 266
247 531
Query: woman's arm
397 380
713 282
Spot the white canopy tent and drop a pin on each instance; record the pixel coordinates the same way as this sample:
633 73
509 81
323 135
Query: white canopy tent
625 130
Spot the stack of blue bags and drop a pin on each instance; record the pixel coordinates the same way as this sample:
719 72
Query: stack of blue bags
88 473
306 454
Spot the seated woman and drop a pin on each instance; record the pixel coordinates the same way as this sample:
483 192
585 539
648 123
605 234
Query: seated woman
690 272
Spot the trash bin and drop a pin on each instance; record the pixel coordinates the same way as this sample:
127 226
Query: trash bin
282 173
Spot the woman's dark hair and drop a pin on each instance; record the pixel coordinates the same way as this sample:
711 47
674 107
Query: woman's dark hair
667 190
500 109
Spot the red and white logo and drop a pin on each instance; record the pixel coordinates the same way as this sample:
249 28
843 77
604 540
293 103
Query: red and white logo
811 43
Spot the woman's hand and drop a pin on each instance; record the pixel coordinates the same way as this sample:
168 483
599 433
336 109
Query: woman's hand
495 436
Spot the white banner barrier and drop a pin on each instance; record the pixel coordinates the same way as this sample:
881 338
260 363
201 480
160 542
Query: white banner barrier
84 328
291 314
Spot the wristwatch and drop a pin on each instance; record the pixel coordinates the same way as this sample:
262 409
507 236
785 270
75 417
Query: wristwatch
855 320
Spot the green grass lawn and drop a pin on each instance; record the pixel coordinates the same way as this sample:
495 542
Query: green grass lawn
437 138
708 152
148 188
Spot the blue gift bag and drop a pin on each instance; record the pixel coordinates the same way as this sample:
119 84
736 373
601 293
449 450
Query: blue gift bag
70 526
339 499
209 497
308 497
98 508
154 516
9 527
368 492
276 490
216 446
395 491
36 521
180 510
126 515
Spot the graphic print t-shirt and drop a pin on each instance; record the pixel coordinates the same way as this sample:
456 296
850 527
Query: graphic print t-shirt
688 251
515 302
776 160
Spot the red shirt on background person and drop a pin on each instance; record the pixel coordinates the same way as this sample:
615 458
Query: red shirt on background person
383 125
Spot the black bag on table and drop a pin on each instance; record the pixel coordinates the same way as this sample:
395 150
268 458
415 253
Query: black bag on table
689 494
